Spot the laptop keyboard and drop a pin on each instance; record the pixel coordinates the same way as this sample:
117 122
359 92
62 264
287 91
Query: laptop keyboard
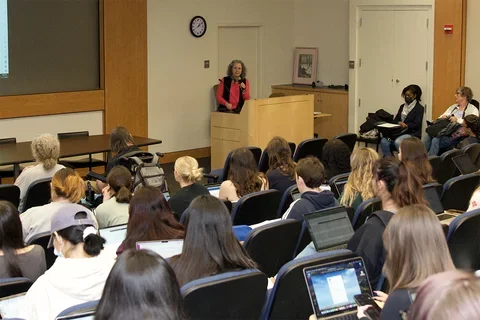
341 246
346 317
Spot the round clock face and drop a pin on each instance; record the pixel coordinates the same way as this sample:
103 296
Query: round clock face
198 26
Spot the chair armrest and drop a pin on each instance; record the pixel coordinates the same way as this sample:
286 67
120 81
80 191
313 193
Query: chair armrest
211 176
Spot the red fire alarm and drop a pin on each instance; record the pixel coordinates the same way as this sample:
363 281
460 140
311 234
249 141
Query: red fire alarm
448 28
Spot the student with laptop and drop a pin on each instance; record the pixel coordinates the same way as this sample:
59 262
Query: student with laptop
187 174
397 186
310 174
416 249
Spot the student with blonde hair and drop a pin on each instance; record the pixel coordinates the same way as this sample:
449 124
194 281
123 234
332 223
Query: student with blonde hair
416 249
66 187
447 295
46 151
187 174
359 185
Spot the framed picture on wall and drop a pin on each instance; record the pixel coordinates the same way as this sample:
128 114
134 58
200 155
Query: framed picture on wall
305 65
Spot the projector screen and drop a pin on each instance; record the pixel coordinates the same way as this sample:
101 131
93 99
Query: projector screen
3 39
49 46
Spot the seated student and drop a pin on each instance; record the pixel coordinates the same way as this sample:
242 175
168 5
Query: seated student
413 152
359 185
447 295
416 249
310 174
474 200
281 168
455 114
16 259
66 187
150 219
471 125
397 186
335 158
116 197
45 150
243 177
409 117
141 285
210 246
187 174
78 274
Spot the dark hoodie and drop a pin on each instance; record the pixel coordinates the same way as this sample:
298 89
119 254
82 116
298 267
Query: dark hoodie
311 201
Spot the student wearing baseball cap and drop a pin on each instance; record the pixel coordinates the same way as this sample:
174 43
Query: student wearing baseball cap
79 273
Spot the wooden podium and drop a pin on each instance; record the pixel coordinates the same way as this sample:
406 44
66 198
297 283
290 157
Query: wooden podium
290 117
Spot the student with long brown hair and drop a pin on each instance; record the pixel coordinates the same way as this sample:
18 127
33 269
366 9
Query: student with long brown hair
210 246
243 176
150 219
359 185
281 168
416 249
397 186
412 151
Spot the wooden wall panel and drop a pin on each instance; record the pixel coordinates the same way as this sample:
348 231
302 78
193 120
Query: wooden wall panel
449 53
50 103
125 63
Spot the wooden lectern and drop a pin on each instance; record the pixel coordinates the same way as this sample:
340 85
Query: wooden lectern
290 117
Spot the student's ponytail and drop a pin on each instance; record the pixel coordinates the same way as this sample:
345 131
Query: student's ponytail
120 181
408 189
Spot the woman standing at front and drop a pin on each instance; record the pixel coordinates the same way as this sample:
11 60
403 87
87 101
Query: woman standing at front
233 89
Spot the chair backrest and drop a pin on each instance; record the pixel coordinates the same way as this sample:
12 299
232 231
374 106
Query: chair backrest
292 146
350 139
38 194
458 190
276 94
42 240
11 193
273 245
79 310
8 140
289 298
473 151
310 147
256 151
230 295
303 240
13 286
337 183
464 240
286 200
256 207
364 210
435 163
66 135
447 168
475 103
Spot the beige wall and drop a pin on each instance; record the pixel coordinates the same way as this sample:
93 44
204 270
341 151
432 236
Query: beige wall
324 24
472 67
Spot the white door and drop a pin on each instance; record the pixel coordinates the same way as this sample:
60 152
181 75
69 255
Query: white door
240 43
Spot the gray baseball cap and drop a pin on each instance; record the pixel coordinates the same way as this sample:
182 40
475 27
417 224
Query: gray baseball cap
65 217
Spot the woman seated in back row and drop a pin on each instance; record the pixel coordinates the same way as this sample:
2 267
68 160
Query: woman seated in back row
243 177
281 168
413 152
336 158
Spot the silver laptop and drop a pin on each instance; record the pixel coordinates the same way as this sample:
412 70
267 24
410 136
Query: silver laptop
332 286
164 248
330 229
214 190
114 235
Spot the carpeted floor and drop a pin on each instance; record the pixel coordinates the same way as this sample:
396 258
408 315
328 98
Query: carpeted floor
168 169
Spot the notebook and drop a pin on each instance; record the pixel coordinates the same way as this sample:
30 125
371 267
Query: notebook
165 248
464 164
431 195
331 287
329 228
214 190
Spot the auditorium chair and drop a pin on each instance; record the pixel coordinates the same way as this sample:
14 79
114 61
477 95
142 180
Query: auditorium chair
38 194
84 310
464 240
364 210
10 193
310 147
13 286
229 295
473 151
272 245
7 171
350 139
435 163
220 175
83 162
447 168
256 207
458 190
287 198
337 183
42 240
303 240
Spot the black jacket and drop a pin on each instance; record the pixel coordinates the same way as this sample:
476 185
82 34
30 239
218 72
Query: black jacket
413 120
310 202
367 242
398 301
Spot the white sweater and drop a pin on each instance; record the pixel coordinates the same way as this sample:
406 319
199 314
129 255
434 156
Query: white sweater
474 201
67 283
470 109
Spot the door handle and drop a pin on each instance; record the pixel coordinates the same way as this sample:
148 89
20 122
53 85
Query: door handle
397 81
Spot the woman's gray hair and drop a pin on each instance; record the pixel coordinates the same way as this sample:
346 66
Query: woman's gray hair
230 69
46 150
466 92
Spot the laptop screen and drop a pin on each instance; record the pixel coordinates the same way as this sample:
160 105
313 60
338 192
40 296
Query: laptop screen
464 164
114 235
165 248
431 195
332 286
329 227
166 195
13 306
214 190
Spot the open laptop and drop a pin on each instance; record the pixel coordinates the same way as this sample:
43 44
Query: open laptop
13 306
113 236
165 248
464 164
331 287
330 229
214 189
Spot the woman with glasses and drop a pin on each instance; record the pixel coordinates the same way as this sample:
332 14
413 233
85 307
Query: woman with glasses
409 117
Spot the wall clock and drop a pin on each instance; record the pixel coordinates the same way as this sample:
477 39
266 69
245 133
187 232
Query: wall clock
198 26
